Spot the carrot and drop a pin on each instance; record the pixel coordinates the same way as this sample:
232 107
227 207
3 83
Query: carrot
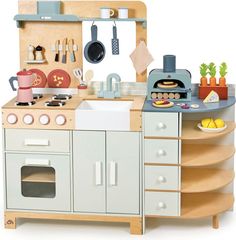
223 72
212 72
203 72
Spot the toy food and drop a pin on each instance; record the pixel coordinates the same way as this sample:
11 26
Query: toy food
212 72
203 72
211 123
223 72
219 123
212 97
162 104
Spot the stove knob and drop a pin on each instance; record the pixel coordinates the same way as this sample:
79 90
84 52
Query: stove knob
28 119
60 120
12 118
44 119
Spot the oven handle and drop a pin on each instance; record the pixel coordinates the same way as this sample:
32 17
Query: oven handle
113 170
98 173
36 142
36 162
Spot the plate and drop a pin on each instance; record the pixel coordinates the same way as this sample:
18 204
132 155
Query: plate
59 78
41 79
211 130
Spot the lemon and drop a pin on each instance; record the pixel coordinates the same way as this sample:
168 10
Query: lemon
205 122
211 124
219 123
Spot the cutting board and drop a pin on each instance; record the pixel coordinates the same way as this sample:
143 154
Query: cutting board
120 64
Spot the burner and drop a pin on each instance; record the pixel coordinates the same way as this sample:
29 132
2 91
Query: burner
54 103
25 103
61 97
37 96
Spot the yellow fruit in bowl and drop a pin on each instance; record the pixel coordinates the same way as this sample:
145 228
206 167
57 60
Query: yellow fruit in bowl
211 124
219 123
205 122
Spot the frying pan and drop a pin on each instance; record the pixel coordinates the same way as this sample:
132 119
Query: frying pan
94 51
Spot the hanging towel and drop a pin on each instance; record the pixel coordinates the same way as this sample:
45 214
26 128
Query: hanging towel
141 57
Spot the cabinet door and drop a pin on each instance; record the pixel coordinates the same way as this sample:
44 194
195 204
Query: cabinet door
89 171
123 176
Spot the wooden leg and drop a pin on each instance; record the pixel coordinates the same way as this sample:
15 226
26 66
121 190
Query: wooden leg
215 221
136 226
10 221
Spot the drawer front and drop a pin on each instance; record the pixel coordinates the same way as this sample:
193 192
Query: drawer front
161 124
38 182
161 178
37 140
161 151
162 203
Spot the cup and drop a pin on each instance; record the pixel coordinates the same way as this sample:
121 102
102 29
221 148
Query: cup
106 12
123 13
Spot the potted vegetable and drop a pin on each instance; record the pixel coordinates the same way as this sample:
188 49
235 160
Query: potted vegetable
223 72
203 72
212 72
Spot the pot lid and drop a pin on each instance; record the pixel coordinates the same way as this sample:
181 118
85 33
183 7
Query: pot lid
24 73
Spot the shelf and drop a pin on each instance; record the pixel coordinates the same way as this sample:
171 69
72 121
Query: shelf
210 154
20 18
36 61
199 205
204 180
190 131
46 176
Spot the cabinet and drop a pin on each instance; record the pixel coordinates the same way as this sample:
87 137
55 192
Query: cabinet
106 172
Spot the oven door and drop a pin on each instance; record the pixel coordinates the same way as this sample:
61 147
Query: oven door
38 182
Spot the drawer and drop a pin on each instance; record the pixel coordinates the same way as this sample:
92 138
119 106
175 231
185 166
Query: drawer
161 124
162 177
161 151
37 140
162 203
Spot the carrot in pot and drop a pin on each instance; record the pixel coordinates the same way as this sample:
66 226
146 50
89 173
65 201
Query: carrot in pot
223 72
203 72
212 72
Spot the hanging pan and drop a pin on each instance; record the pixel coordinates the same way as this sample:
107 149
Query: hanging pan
94 51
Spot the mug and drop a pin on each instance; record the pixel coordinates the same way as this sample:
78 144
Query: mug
106 12
123 13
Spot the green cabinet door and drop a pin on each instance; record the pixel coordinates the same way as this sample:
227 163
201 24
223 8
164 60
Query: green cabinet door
123 172
89 171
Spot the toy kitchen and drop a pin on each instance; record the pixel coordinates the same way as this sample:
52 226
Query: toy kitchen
91 136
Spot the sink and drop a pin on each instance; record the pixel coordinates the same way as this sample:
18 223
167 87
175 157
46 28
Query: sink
103 115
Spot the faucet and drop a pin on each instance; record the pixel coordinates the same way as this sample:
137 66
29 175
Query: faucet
109 93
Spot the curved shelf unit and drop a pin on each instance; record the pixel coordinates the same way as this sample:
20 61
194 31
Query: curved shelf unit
199 180
210 154
190 131
200 205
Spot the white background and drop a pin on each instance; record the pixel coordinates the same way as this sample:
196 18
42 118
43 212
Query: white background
196 31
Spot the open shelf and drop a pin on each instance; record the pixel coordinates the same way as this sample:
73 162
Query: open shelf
44 176
199 205
35 61
190 131
196 155
196 180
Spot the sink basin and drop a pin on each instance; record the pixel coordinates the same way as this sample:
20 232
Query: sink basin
103 115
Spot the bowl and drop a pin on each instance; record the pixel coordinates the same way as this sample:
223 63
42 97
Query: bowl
211 130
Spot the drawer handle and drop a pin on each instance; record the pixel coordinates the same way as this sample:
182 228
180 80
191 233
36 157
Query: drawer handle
36 142
161 205
112 173
98 173
161 152
37 162
161 179
161 125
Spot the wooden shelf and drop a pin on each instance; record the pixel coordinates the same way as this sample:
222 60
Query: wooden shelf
196 155
46 176
199 205
204 180
190 131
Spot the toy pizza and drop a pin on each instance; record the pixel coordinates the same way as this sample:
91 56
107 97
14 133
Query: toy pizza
167 84
162 104
59 78
41 80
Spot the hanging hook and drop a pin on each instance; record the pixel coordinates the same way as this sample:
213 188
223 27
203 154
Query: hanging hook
115 23
93 23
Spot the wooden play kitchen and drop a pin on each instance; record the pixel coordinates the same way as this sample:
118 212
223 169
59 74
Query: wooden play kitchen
81 146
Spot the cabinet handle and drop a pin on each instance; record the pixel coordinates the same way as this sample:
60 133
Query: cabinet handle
112 173
161 179
36 142
37 162
98 173
161 205
161 125
161 152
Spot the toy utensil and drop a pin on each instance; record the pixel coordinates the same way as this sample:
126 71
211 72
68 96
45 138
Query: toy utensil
71 50
78 73
64 43
57 50
89 75
115 42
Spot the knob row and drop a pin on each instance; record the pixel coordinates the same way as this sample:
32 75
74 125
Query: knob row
43 119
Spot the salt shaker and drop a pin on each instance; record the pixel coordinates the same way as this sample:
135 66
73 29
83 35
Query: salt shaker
39 55
31 53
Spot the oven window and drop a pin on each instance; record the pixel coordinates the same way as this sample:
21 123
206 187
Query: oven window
38 182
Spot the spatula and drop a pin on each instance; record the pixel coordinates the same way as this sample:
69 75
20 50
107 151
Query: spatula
64 43
115 42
